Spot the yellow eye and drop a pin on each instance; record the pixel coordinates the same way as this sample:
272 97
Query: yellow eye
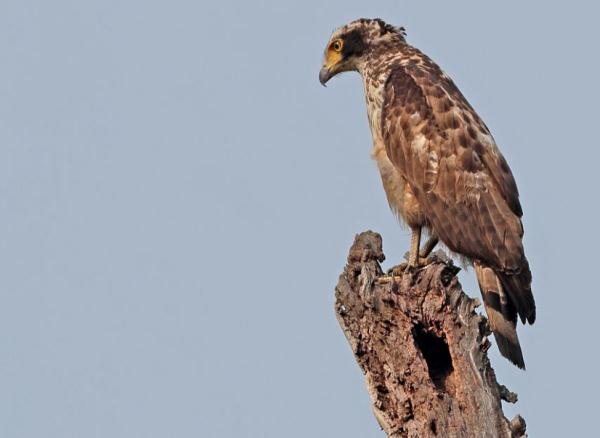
337 45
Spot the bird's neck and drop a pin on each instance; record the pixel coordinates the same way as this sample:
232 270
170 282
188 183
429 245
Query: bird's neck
374 71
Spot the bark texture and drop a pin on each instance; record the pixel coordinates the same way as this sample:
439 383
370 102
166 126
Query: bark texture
422 348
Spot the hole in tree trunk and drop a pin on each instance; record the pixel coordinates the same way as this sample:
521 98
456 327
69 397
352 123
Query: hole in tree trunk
433 427
437 355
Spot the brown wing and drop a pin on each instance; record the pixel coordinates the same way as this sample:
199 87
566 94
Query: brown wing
463 183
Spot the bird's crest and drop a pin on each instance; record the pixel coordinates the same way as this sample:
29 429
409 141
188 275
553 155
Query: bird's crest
376 26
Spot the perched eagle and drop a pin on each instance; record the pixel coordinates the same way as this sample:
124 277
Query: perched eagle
440 167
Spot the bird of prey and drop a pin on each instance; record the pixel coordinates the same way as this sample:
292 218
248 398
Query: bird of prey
440 168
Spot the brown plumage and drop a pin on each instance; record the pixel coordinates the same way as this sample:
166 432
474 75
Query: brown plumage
440 167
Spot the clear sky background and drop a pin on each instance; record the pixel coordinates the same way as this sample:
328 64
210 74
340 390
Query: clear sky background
178 194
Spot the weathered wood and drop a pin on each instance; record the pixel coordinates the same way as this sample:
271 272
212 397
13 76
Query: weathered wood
422 348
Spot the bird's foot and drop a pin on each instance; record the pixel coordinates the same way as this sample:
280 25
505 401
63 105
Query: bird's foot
398 270
393 274
403 267
424 261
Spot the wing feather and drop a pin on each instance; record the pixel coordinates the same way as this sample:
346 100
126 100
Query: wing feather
463 183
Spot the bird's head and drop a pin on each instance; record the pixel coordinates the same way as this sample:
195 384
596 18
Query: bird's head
350 46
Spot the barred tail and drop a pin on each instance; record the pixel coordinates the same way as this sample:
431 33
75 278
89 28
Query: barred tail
501 313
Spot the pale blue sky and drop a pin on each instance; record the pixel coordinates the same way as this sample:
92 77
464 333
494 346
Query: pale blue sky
178 194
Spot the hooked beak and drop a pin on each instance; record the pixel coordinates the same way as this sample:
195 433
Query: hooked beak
324 75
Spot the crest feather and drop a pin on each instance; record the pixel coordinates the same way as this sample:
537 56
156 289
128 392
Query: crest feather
384 28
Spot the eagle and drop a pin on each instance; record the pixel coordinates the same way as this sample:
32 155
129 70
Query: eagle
441 169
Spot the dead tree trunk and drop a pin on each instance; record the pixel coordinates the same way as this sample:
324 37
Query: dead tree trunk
422 348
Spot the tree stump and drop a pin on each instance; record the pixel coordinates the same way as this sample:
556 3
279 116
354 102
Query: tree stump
422 347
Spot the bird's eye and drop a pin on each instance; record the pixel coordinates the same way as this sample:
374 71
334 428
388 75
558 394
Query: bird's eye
337 45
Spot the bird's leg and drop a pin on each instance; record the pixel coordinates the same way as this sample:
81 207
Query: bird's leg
415 242
412 256
428 247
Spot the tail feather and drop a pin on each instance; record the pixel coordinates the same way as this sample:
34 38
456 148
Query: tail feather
518 288
502 314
